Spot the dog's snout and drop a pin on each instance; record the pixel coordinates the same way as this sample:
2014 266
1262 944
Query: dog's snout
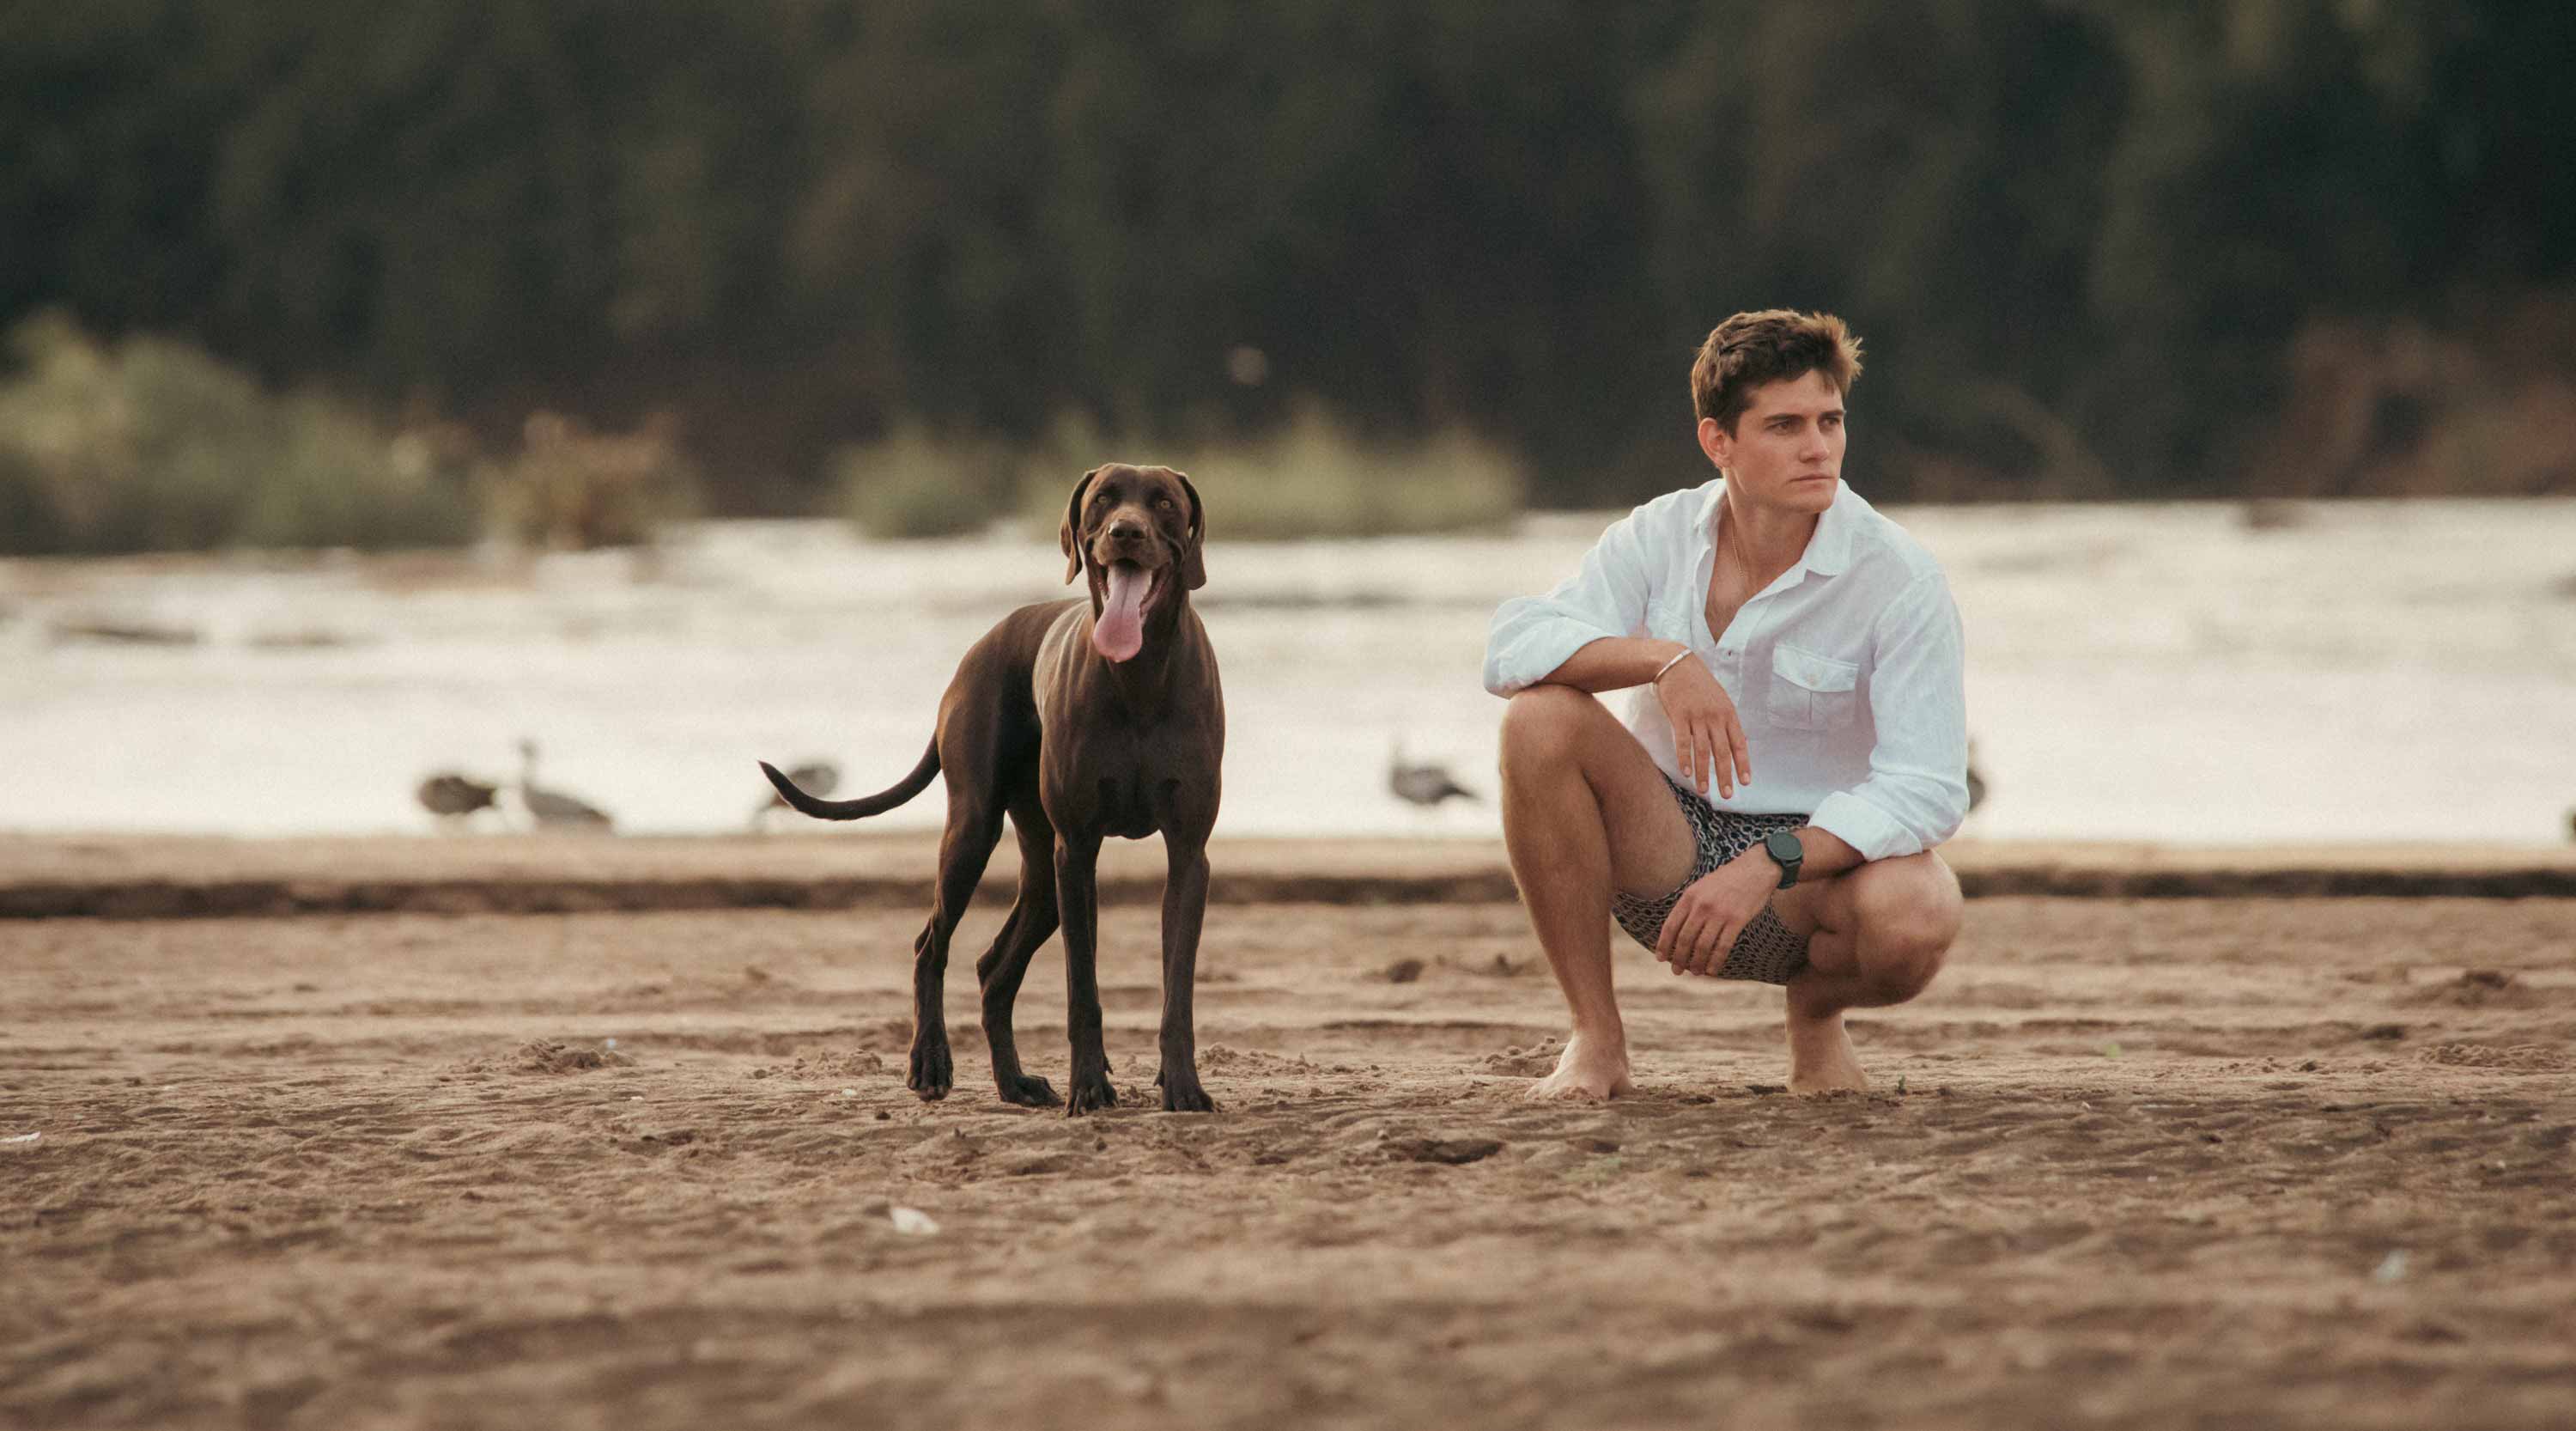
1127 529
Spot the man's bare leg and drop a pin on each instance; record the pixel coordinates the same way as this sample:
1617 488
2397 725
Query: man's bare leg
1876 935
1584 806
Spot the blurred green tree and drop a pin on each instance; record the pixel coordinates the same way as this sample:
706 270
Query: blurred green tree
2084 238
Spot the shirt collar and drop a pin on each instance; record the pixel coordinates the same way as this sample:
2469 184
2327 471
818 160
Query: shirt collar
1828 550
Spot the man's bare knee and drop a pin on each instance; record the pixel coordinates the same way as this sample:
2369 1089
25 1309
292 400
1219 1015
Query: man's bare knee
1543 728
1908 916
1563 749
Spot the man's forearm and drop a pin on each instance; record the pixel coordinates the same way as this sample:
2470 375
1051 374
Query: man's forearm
1827 854
1613 663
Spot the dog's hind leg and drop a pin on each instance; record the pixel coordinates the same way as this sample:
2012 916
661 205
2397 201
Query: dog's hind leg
974 827
1032 921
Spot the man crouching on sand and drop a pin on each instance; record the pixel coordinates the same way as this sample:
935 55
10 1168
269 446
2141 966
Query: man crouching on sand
1793 744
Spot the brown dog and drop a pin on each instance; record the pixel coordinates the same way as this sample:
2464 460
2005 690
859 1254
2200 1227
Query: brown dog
1080 720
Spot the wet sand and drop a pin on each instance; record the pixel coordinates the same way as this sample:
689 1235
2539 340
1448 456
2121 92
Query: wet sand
2132 1162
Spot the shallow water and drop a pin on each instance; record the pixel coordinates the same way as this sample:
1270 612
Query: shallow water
2374 671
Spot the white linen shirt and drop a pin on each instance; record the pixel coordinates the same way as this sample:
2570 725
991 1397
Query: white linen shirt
1846 671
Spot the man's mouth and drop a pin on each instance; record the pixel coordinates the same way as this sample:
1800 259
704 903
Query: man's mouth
1118 633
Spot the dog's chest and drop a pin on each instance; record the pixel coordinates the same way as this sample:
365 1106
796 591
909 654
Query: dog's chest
1128 809
1116 778
1122 772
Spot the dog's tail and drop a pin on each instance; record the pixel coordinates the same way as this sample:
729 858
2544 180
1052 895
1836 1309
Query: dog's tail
865 805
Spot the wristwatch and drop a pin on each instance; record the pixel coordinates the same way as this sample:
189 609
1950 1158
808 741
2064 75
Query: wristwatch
1784 847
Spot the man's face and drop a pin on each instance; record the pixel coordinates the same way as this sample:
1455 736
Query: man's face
1786 451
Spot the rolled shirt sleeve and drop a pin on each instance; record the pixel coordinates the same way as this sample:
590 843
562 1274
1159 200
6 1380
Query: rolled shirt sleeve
1533 635
1916 795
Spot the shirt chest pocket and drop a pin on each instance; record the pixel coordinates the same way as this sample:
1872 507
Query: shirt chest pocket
1812 692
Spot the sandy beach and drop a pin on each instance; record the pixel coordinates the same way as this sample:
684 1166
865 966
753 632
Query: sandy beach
2195 1159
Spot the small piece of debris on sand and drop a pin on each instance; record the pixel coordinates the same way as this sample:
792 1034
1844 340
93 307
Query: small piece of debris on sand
548 1056
1452 1151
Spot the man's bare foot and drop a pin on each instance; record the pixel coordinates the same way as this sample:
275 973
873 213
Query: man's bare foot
1821 1057
1592 1068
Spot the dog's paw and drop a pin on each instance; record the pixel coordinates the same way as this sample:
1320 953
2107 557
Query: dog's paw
1183 1094
931 1076
1029 1091
1089 1094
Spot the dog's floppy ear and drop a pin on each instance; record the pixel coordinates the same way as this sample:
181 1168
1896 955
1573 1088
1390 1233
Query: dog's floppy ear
1193 552
1070 536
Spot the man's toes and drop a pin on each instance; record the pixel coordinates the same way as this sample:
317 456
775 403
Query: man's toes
1557 1090
1833 1081
1589 1085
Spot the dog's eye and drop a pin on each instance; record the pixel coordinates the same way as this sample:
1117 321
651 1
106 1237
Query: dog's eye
1164 502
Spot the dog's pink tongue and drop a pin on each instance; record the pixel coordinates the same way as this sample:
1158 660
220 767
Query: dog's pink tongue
1120 631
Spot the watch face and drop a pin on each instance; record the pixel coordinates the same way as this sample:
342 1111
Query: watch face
1787 853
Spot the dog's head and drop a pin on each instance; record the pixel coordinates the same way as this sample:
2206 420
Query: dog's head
1139 531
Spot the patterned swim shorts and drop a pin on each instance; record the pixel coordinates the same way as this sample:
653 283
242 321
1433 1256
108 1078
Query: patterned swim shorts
1766 951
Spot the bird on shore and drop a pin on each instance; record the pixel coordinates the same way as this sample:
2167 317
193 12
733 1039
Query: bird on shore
814 777
453 797
1423 785
553 807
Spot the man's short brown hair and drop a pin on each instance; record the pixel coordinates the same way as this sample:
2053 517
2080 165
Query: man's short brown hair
1751 349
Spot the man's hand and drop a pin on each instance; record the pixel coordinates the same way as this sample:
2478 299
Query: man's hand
1708 741
1714 910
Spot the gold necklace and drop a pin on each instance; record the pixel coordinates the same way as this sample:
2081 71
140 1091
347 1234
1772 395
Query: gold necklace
1731 535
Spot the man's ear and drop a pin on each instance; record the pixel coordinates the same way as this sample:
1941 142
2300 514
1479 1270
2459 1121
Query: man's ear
1193 551
1070 535
1716 442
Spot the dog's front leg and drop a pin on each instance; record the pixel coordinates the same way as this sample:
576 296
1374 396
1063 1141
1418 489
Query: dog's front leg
1077 871
1184 911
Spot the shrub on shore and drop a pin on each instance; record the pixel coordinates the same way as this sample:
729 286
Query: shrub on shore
1313 477
916 483
151 445
146 444
573 489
